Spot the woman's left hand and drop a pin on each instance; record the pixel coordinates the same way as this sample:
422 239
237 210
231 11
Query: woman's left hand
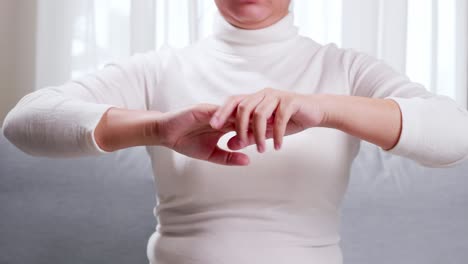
269 113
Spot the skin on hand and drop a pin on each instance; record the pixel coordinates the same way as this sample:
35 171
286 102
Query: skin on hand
272 113
268 113
196 130
188 132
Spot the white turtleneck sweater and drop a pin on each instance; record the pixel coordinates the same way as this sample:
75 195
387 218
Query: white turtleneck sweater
285 206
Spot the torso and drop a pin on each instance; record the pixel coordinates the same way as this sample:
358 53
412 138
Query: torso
285 200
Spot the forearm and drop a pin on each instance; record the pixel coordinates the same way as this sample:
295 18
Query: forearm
377 121
49 123
122 128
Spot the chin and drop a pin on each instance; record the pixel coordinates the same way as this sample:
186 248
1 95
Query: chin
249 14
252 14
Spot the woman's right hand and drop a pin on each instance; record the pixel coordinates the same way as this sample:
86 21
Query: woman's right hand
188 132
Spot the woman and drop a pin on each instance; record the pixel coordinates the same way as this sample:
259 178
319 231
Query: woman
258 78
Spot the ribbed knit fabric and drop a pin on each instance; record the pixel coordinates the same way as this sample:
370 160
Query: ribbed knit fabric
284 206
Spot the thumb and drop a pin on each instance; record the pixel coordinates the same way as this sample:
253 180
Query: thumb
223 157
204 111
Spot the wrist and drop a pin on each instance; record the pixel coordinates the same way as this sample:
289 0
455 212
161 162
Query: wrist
148 130
123 128
329 105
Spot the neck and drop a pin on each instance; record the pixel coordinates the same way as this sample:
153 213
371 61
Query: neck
231 39
280 30
257 24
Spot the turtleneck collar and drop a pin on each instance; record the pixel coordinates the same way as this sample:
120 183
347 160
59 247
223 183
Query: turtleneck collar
282 30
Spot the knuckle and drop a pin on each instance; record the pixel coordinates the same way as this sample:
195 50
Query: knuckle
294 103
286 100
259 115
289 105
242 108
279 116
240 122
231 98
258 135
204 105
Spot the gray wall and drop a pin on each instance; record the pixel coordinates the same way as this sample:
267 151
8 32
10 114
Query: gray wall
17 51
75 211
99 210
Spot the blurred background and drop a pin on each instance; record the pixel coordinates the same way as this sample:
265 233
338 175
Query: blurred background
47 42
99 210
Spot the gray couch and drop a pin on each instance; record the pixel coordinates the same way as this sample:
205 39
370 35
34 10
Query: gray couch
99 210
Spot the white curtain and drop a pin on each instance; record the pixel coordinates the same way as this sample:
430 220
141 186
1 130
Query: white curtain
426 39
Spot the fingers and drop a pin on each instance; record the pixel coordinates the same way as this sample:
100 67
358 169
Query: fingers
275 129
260 117
201 112
244 111
228 127
204 112
223 157
234 142
224 112
257 112
283 115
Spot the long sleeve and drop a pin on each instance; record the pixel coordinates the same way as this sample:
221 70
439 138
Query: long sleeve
60 121
434 128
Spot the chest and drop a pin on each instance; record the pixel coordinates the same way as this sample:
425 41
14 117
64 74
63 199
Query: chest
192 79
311 165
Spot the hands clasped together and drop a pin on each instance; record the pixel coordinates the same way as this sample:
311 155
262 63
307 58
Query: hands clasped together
269 113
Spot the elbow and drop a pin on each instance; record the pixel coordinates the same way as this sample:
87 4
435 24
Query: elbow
455 151
434 132
8 127
13 132
13 124
447 153
444 163
456 156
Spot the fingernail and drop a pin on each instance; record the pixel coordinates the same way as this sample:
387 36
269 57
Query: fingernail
243 160
261 148
214 122
277 146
